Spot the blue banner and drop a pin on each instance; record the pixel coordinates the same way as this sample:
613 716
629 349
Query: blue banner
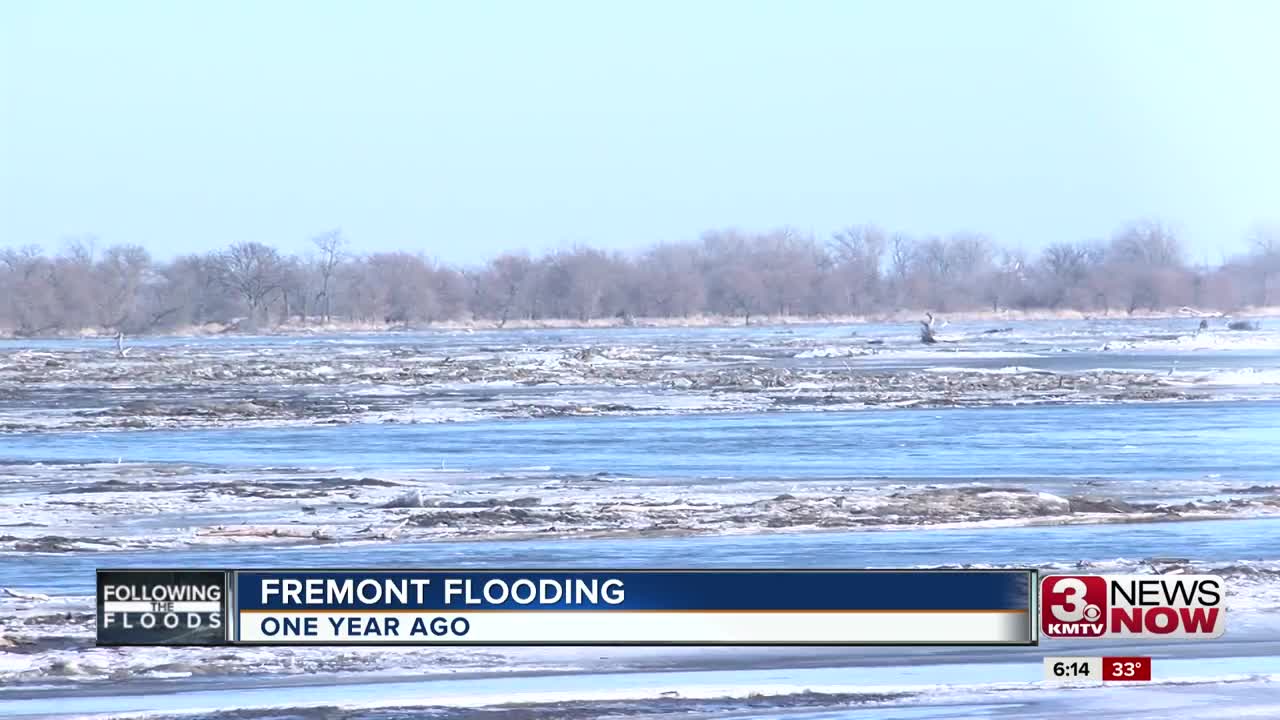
623 590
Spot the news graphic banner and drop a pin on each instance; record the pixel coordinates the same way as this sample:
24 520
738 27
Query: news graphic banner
1133 606
567 607
162 607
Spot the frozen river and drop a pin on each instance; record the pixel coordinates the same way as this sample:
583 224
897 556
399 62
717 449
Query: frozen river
730 447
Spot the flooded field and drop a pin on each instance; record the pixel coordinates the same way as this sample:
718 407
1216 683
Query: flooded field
1119 445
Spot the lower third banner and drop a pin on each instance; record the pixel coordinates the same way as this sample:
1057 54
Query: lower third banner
581 607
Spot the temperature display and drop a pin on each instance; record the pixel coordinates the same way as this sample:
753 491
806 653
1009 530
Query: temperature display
1097 669
1126 669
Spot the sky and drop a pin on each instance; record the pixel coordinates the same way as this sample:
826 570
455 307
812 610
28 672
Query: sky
463 129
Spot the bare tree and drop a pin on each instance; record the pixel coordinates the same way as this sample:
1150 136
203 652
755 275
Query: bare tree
31 305
789 265
1148 243
332 249
295 289
73 284
192 290
970 263
1146 260
933 263
671 281
502 286
969 254
858 254
450 288
356 292
861 268
1066 269
410 288
735 285
122 273
252 270
1266 258
580 278
1007 282
902 259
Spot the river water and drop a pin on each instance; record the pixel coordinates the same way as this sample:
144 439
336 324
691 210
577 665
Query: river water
1124 486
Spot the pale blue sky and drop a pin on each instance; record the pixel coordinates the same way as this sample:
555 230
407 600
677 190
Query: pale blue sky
466 128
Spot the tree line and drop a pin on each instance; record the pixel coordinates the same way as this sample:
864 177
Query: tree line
861 270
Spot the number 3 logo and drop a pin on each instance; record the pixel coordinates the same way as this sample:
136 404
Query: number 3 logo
1073 589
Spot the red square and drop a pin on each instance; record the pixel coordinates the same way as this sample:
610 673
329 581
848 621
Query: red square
1073 606
1126 669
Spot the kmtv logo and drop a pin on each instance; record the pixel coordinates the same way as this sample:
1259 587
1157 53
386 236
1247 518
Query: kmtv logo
1148 606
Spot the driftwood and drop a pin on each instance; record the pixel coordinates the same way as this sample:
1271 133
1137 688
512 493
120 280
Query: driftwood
24 595
264 532
926 330
1243 325
390 534
1198 313
1167 565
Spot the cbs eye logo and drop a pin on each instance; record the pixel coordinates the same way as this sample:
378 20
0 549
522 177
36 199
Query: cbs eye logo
1073 606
